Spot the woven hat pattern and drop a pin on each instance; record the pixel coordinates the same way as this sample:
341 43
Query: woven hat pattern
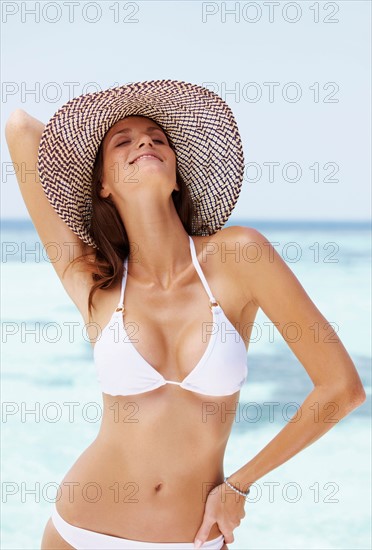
200 125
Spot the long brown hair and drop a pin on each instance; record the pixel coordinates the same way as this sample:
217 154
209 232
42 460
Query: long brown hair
108 230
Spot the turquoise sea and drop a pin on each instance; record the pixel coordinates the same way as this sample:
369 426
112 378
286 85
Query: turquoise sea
51 402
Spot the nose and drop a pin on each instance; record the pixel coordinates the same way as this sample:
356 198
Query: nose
144 140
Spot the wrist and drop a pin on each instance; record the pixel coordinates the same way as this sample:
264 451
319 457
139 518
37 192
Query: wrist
236 488
237 482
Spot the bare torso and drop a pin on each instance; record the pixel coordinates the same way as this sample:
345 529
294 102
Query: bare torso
158 454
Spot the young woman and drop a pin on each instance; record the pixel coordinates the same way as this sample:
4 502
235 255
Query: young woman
135 184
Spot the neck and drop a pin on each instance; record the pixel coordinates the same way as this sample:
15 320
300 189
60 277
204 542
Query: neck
159 247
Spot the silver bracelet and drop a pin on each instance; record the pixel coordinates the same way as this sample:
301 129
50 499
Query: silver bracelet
235 489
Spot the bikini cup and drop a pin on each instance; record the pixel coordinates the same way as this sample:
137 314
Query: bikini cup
121 369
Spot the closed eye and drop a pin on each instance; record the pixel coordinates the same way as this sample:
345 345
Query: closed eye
124 142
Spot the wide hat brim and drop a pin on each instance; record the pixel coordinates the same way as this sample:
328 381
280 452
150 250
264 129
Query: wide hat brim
199 123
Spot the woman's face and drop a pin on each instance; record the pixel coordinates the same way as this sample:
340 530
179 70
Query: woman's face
137 156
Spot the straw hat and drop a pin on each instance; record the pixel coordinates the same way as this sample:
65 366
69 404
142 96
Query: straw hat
199 124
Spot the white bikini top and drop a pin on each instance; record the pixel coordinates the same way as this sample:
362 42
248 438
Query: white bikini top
121 369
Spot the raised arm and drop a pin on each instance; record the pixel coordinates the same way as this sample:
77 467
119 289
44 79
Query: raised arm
23 133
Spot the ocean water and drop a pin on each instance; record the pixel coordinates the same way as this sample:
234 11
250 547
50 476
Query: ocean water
51 403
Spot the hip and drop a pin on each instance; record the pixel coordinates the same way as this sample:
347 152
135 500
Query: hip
84 539
135 501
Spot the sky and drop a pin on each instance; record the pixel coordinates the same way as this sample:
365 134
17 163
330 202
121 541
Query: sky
297 76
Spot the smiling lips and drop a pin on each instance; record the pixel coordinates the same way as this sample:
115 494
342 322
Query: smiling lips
146 156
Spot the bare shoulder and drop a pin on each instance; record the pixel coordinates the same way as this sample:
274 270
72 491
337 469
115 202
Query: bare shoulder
231 235
260 270
241 244
238 235
241 234
228 252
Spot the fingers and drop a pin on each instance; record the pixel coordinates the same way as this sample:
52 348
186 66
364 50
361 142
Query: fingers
228 535
202 535
226 513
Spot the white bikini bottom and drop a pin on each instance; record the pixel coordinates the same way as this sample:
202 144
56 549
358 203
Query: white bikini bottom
83 539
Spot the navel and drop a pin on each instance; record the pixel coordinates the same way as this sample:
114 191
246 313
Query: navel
158 487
